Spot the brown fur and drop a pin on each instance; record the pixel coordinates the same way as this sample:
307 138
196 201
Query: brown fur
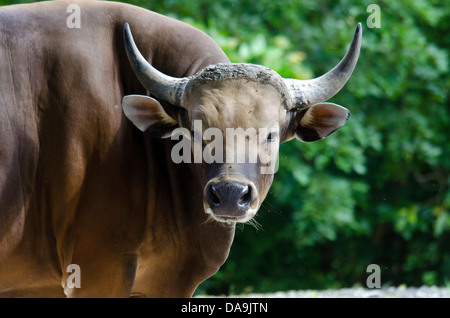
78 183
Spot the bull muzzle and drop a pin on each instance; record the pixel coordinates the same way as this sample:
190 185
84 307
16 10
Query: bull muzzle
231 201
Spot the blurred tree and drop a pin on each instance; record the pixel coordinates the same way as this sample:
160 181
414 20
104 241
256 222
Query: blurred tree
378 190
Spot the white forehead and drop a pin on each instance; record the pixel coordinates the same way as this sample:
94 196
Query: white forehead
237 103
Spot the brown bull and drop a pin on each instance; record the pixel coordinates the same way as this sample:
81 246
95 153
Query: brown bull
79 184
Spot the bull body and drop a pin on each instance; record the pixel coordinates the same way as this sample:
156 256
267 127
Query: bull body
88 180
79 184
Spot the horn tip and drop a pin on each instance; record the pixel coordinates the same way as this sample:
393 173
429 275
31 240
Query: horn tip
358 28
126 27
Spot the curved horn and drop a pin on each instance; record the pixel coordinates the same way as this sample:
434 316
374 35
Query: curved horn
167 88
317 90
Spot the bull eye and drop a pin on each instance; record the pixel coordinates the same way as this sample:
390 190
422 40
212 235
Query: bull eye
272 137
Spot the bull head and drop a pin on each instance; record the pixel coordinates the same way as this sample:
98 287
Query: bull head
267 108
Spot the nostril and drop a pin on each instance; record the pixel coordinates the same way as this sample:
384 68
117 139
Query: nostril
246 197
213 195
230 196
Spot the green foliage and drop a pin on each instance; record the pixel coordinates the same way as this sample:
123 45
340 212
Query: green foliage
376 191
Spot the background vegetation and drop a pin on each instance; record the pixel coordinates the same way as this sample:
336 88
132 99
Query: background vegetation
378 190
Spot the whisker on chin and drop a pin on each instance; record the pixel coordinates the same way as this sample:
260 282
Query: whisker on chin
255 224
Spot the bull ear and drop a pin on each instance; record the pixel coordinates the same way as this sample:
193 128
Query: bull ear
148 115
319 121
